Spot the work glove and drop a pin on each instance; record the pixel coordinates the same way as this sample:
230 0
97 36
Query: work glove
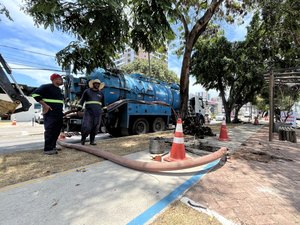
104 109
79 108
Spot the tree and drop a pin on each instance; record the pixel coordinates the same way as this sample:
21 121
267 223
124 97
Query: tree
275 33
104 27
3 10
229 68
101 28
286 96
240 67
159 70
194 17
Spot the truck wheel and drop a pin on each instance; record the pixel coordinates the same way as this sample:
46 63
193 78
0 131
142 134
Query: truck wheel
158 124
140 126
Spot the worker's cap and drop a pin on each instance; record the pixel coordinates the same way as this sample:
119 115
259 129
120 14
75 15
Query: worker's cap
54 76
92 82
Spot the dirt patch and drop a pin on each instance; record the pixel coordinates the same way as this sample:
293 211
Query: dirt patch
179 213
257 156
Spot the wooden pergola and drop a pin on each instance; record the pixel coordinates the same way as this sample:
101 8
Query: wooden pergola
289 77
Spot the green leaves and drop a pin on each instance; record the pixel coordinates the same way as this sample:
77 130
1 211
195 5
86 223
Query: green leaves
103 27
278 32
228 67
100 27
159 69
3 10
150 26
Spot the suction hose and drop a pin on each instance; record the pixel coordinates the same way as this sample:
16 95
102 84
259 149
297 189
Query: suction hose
149 166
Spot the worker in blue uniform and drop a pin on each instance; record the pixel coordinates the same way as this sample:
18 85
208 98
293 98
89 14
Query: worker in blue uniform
93 99
51 98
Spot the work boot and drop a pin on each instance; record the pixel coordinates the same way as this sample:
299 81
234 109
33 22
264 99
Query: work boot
50 152
82 140
92 140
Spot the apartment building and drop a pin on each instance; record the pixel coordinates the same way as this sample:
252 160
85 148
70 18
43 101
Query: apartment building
129 55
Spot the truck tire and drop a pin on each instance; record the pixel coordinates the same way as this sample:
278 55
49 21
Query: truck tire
140 126
158 124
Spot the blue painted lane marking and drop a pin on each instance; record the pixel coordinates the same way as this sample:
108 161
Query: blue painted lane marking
156 208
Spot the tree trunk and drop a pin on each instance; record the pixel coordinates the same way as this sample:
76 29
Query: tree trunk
236 114
190 38
226 105
184 80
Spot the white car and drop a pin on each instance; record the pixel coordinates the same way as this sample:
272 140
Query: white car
38 116
220 117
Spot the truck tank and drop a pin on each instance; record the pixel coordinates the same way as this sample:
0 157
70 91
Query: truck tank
136 87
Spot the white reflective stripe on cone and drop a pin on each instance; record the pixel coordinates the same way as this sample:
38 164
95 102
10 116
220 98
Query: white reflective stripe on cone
179 127
178 140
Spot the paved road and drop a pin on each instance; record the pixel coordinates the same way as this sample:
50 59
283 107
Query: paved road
27 136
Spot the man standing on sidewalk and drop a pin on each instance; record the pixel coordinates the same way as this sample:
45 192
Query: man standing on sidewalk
93 99
51 98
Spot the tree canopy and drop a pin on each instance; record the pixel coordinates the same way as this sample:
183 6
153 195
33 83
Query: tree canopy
230 68
159 70
275 32
238 67
102 28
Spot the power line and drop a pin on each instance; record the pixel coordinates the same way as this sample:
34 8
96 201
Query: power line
45 69
18 49
22 62
38 69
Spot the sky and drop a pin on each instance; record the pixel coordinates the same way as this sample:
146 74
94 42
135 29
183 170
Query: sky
30 50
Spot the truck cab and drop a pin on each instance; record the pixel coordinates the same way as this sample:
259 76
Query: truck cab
197 108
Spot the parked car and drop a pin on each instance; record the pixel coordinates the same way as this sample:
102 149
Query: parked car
38 116
220 117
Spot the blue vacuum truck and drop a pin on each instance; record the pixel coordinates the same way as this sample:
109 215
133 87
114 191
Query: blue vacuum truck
133 103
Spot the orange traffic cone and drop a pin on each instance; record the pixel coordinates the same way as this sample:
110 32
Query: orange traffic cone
223 132
14 122
178 149
62 136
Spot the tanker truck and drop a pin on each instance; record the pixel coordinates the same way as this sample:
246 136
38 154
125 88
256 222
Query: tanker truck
133 103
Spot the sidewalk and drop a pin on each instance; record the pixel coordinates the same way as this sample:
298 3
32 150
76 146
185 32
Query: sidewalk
254 188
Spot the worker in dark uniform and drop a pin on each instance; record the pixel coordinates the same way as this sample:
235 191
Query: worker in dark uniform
51 98
93 99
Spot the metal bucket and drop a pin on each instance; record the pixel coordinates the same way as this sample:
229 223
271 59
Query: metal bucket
158 145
